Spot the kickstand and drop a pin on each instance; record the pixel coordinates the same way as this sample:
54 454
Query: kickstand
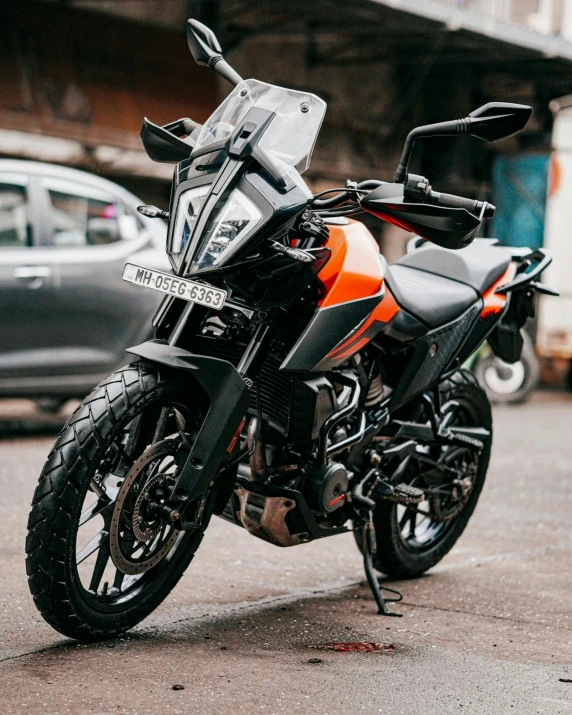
368 540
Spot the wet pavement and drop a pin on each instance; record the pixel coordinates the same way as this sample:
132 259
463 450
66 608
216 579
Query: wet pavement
248 628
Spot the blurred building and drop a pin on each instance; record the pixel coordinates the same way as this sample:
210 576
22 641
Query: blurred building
76 80
77 77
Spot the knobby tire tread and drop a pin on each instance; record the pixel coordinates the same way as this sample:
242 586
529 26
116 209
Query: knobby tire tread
82 440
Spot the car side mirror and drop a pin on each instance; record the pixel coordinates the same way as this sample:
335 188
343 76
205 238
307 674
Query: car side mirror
101 231
491 122
206 51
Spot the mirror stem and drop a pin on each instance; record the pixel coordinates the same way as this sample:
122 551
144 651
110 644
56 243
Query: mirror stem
451 128
401 172
221 66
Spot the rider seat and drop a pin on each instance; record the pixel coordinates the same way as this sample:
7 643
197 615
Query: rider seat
432 299
436 285
479 265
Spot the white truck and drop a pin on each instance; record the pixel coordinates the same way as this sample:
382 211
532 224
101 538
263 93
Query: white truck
554 337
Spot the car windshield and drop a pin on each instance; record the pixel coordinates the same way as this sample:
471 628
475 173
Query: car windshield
290 137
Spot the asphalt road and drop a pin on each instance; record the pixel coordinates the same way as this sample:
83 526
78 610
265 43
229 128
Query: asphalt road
487 631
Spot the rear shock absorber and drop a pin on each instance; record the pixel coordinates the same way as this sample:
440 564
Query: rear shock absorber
375 391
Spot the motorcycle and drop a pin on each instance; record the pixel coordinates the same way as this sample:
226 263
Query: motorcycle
297 385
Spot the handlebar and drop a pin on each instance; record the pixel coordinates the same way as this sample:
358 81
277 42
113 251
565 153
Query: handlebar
458 202
416 190
183 126
345 195
190 125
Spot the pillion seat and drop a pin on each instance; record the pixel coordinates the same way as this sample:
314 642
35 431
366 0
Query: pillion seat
432 299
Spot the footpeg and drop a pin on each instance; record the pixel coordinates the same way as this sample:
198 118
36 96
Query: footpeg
402 494
456 437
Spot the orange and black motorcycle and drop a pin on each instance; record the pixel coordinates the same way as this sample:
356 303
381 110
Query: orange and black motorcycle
297 385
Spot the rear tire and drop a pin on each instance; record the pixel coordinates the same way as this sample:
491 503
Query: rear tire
67 480
394 556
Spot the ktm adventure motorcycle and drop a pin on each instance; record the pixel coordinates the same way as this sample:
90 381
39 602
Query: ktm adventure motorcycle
297 385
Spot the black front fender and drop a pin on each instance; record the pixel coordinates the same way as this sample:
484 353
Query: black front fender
229 399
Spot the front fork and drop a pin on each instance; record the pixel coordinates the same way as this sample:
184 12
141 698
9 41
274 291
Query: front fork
227 389
228 397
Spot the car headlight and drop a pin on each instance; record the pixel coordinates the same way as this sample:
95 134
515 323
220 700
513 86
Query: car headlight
226 230
188 208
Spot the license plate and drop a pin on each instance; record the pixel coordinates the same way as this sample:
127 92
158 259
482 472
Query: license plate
173 285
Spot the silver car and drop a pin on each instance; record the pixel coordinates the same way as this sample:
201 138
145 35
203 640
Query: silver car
66 316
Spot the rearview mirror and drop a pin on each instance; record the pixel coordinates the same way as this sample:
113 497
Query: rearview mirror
498 120
206 51
202 43
492 122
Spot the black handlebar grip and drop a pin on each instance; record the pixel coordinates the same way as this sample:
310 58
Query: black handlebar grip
459 202
454 202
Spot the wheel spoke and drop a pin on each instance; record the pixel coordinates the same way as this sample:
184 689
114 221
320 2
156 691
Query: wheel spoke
118 579
405 518
92 545
133 435
98 507
159 433
129 581
100 563
412 523
123 454
143 428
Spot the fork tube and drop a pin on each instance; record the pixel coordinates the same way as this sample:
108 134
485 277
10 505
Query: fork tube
252 348
180 324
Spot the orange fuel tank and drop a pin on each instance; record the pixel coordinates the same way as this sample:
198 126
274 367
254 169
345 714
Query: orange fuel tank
353 306
354 270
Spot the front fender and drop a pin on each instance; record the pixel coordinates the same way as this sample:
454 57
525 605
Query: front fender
228 402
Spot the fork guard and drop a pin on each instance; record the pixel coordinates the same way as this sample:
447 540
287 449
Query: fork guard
229 399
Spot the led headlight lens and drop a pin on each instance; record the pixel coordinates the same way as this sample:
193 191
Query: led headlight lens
188 208
230 225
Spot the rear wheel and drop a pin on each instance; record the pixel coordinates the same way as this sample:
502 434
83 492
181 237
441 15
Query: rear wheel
412 539
100 553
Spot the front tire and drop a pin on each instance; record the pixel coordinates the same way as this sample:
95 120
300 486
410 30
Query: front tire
400 555
113 432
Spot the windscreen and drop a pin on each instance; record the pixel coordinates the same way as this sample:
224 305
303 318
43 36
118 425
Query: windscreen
290 138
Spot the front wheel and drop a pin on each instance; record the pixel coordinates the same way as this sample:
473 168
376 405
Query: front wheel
412 539
100 554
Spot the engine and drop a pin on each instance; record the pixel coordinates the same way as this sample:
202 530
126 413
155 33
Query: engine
326 488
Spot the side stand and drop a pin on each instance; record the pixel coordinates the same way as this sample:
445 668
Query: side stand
369 548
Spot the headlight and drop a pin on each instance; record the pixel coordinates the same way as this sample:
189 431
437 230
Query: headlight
188 208
225 232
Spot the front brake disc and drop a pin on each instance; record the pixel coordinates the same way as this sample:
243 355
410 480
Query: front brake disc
132 529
